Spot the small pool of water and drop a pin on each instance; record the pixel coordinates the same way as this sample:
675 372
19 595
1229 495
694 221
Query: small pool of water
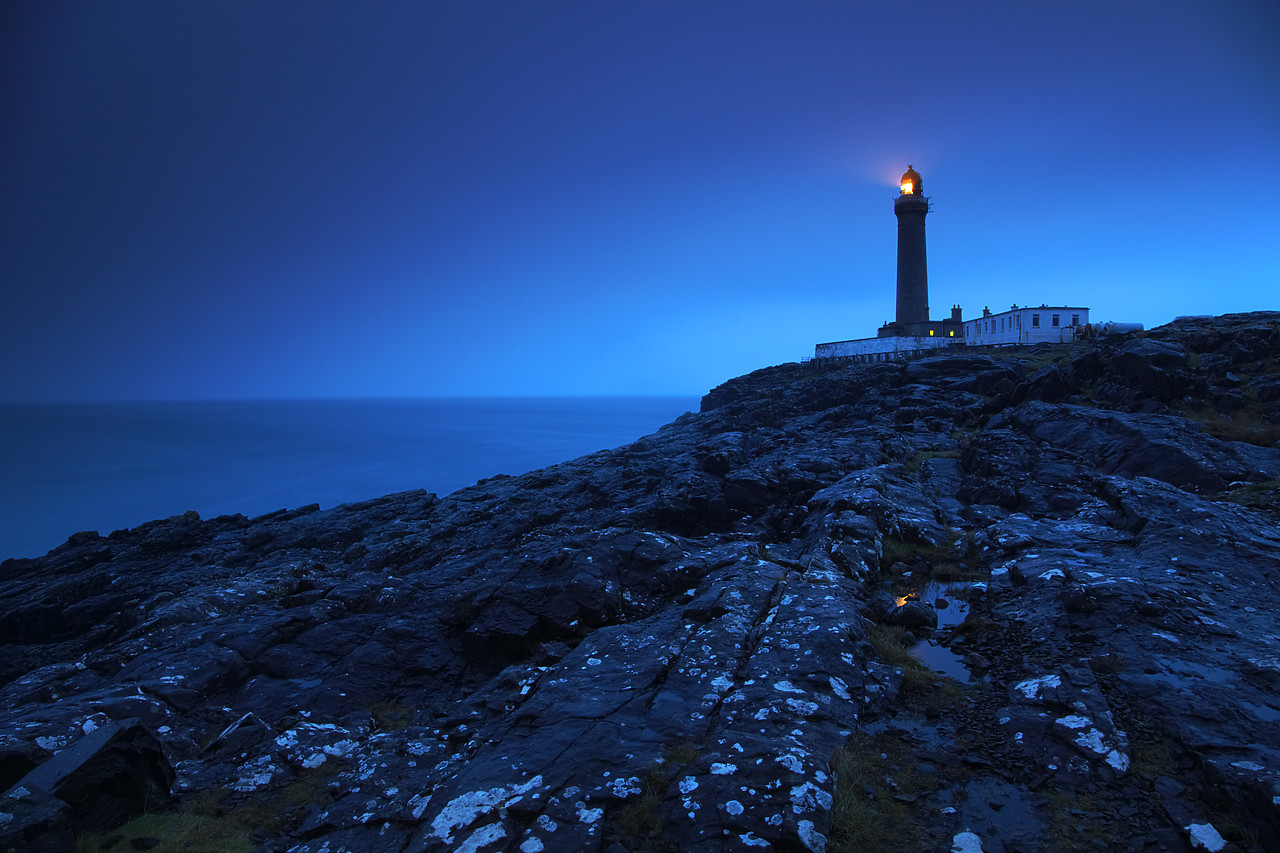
952 610
941 660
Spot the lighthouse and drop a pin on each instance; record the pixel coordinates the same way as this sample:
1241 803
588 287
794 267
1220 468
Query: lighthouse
911 206
912 333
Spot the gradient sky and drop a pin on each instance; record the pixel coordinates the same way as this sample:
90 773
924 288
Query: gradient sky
219 199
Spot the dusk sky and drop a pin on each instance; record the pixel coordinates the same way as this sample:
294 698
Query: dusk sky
316 199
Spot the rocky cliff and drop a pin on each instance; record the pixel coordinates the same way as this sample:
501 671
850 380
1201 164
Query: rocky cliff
1014 600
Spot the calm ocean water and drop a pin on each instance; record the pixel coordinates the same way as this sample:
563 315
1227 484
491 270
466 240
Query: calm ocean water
104 466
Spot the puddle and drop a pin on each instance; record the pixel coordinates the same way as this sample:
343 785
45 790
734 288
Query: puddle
952 611
1002 814
941 660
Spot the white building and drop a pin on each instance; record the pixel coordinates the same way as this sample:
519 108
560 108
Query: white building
883 349
1045 324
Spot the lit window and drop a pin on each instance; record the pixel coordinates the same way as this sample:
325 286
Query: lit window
1035 321
1055 320
908 188
952 333
931 333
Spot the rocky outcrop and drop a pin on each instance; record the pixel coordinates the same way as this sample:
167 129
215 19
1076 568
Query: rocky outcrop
711 639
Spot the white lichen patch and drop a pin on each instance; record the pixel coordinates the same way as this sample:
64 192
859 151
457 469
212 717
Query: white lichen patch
1091 740
688 784
463 810
839 687
482 838
418 804
810 837
807 797
586 815
733 807
623 788
311 762
1205 837
750 839
723 769
786 687
254 775
1031 688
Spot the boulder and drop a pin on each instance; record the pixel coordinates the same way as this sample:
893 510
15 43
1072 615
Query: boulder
114 772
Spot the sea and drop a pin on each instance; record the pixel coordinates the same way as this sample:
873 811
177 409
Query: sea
70 467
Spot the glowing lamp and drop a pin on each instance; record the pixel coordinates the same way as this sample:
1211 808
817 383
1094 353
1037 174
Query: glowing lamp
910 183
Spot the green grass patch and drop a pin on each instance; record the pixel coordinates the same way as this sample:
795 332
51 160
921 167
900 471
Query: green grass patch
935 562
1152 758
875 777
917 461
1068 831
1264 496
895 550
640 821
1246 425
390 717
920 685
205 823
197 826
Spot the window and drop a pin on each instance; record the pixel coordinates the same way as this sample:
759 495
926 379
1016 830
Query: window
931 333
1035 321
1002 324
1075 319
952 333
1055 320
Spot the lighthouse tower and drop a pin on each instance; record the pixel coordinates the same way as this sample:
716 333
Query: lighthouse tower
911 207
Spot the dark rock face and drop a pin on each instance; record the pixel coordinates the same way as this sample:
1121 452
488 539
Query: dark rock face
678 644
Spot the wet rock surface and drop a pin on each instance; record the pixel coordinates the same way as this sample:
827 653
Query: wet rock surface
704 640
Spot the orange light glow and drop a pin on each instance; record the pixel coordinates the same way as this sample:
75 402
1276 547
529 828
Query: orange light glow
908 188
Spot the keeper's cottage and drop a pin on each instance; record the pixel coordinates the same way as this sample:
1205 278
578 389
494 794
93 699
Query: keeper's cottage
912 331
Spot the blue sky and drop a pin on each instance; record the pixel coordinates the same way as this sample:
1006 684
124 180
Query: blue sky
314 199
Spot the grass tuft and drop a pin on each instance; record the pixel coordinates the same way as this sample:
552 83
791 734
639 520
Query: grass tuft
195 827
640 821
875 776
1246 425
